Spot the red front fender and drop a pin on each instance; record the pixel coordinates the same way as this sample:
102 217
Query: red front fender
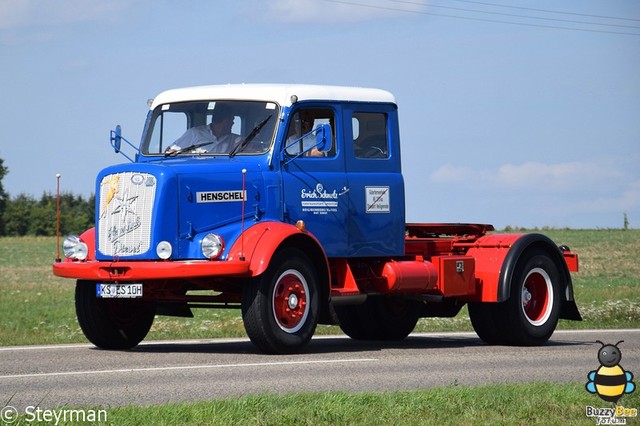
249 256
259 243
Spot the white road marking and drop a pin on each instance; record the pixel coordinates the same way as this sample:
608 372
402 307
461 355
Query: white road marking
188 367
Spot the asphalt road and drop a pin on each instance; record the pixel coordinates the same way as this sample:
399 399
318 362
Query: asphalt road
160 372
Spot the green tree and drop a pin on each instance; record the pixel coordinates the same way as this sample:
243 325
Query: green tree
625 222
77 214
25 215
3 195
43 216
17 215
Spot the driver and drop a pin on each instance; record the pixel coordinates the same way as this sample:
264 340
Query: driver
217 134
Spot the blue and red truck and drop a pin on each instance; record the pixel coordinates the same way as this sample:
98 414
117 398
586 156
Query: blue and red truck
287 202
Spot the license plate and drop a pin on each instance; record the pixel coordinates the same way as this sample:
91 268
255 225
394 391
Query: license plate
119 291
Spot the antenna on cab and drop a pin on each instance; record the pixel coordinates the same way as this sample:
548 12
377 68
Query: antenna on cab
244 200
58 217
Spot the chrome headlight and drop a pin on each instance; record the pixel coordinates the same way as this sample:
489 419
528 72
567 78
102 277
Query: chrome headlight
164 250
74 248
212 246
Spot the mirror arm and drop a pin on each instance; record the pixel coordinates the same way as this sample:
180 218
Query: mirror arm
301 153
116 138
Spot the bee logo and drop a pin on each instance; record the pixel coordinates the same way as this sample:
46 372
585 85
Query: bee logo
610 381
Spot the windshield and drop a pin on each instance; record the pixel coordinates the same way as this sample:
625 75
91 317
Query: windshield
211 127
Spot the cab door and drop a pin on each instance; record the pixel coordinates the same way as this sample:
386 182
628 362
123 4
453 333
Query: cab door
314 181
376 219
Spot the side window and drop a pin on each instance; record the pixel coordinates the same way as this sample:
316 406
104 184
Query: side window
301 135
370 135
167 128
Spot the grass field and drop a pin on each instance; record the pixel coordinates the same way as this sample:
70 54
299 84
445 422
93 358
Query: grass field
37 308
521 404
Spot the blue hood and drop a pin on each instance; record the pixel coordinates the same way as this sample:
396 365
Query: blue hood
139 205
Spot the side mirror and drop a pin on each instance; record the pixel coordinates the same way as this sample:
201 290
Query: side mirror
324 139
116 139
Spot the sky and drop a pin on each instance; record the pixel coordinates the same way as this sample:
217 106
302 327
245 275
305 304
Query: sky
522 113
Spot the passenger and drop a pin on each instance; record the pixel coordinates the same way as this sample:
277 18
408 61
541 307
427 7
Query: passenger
302 125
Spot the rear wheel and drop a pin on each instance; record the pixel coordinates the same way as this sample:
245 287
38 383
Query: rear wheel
351 323
112 323
534 304
280 307
484 319
379 318
530 315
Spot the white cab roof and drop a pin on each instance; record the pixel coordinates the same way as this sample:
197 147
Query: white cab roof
279 93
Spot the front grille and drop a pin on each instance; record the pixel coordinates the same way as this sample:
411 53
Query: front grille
126 207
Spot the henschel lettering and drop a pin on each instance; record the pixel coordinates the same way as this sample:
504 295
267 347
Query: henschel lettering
220 196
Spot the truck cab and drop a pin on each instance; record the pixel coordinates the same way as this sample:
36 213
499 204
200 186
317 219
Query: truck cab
287 201
343 192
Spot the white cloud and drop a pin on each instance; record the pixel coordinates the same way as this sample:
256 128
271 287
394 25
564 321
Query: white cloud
590 193
334 10
592 175
450 173
27 13
534 173
560 176
626 200
13 13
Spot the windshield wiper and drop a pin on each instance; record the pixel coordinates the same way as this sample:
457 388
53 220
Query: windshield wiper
242 145
188 148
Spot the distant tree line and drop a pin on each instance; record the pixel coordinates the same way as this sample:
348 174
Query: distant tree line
26 215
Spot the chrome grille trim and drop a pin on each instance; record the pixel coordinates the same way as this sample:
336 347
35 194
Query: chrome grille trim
126 208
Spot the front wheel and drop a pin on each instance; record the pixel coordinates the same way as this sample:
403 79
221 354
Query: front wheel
112 323
280 307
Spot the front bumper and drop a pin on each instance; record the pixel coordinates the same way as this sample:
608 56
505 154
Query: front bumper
149 270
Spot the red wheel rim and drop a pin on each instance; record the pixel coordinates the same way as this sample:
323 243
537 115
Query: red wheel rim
290 301
537 296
